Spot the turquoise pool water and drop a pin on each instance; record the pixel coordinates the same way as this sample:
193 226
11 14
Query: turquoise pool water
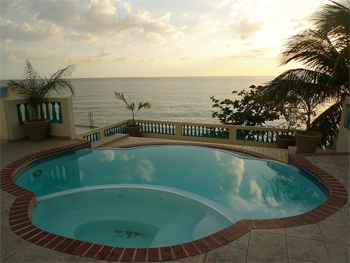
134 197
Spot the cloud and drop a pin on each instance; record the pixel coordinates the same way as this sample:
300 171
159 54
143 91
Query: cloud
5 41
232 176
300 24
143 27
121 58
107 155
142 60
261 53
12 8
255 191
247 17
143 169
126 157
125 5
14 55
74 36
81 21
247 28
166 17
208 26
31 33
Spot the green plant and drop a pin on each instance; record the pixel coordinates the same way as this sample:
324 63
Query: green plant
132 106
35 88
251 110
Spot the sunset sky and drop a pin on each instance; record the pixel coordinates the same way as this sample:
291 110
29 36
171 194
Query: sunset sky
150 38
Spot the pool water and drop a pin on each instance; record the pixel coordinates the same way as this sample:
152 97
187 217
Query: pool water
130 216
133 197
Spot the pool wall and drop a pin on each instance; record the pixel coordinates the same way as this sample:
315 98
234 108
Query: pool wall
20 213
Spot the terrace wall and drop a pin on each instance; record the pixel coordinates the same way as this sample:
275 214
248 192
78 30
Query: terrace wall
214 133
343 144
58 110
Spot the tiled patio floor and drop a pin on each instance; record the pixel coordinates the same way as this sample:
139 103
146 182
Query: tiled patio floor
326 241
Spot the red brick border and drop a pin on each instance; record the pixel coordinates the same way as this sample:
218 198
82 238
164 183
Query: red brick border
21 224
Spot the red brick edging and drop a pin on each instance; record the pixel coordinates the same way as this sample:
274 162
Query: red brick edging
21 224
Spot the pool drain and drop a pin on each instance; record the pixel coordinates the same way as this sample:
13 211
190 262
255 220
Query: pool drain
37 173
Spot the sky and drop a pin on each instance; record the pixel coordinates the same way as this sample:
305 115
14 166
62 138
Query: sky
150 38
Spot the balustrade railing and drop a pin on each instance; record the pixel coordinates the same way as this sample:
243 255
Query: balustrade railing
264 135
157 128
256 136
92 137
120 128
205 132
228 134
50 110
99 133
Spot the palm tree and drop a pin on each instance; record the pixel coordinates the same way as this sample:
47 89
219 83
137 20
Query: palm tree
35 88
324 53
132 106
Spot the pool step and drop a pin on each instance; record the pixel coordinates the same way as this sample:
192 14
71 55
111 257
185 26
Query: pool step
208 225
176 231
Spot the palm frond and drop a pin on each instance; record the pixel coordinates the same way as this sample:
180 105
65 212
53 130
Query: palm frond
312 49
34 88
333 20
300 81
58 82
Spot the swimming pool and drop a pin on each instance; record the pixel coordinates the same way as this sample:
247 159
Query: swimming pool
129 197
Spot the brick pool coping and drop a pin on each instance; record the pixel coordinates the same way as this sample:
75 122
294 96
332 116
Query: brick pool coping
20 222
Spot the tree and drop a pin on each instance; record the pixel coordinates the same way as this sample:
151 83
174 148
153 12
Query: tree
251 110
35 88
324 53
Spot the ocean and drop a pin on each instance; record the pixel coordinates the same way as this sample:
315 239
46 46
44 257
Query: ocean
181 99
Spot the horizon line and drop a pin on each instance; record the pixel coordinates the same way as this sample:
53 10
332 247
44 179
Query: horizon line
198 76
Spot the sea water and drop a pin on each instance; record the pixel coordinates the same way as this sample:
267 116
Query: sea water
182 99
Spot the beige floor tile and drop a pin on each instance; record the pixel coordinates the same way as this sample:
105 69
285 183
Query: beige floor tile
293 260
311 231
242 242
48 255
268 243
9 242
307 249
196 259
13 151
333 163
255 256
226 253
90 260
335 234
340 218
347 209
338 252
278 231
6 199
20 253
